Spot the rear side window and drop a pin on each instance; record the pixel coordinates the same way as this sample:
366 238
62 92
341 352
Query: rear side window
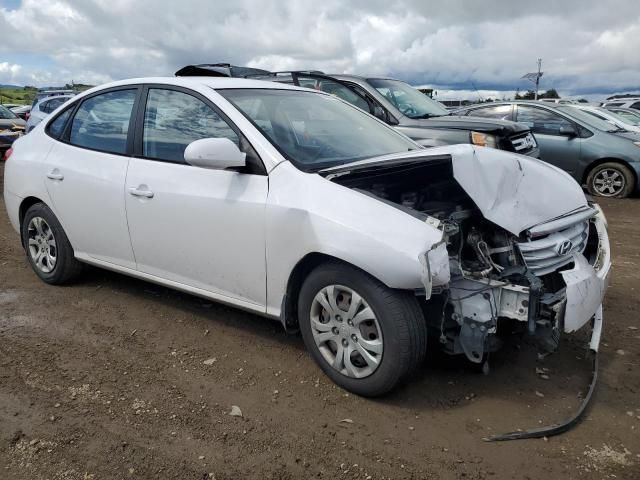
172 120
102 121
636 106
50 105
56 127
500 112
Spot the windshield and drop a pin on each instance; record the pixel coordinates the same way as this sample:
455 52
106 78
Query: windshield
589 119
630 117
315 130
620 118
410 101
6 114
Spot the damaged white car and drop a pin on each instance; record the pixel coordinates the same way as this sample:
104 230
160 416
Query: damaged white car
293 204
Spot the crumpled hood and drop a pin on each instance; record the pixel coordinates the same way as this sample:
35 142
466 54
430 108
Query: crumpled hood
514 191
511 190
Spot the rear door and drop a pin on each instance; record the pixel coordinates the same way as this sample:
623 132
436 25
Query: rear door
197 227
86 171
557 148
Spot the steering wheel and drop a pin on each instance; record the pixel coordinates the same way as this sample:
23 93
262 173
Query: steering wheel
322 150
407 109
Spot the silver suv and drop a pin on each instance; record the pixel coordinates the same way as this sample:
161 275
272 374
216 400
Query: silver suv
43 107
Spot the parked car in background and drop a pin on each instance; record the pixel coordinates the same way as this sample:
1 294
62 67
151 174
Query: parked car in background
44 93
631 114
22 111
11 128
296 205
628 102
43 108
406 109
611 117
559 101
595 152
10 106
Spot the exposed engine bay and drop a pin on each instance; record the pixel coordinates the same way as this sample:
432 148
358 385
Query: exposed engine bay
495 276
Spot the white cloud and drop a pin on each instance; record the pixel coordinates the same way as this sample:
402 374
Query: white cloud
587 46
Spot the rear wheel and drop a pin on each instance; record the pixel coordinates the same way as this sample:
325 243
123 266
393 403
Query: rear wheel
365 336
47 246
611 179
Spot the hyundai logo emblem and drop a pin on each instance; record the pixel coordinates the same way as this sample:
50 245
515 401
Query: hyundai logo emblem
564 247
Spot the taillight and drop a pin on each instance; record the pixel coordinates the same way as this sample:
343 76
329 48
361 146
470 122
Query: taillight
7 154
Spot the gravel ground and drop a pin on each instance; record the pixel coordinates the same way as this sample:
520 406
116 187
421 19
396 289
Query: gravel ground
117 378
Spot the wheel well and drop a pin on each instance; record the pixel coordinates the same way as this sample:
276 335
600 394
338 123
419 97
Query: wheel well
26 204
600 161
289 313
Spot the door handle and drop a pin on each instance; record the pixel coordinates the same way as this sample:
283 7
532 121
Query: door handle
141 191
55 175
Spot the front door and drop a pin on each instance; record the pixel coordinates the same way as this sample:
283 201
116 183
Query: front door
193 226
556 147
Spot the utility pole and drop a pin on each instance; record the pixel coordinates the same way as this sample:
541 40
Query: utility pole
535 77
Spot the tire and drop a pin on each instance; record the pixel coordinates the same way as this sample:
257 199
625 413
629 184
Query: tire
53 262
398 329
611 179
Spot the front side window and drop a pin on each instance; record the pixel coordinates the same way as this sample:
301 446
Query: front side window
102 121
500 112
316 131
636 106
411 102
542 121
334 88
173 119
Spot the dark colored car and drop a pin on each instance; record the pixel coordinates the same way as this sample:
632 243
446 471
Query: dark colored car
398 104
596 153
11 127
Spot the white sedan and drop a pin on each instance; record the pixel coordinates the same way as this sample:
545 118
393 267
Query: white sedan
295 205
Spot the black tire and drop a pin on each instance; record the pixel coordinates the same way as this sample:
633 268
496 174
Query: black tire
625 174
66 267
404 330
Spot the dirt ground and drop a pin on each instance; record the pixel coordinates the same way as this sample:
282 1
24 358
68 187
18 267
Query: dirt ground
107 379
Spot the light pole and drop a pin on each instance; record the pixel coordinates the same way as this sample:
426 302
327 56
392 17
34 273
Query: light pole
535 77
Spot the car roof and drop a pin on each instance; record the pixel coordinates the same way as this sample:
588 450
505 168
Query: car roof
212 82
347 76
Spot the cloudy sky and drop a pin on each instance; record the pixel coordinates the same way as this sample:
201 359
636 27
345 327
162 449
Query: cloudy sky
589 48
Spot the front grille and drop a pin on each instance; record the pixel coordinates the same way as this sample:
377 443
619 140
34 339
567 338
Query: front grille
523 142
547 254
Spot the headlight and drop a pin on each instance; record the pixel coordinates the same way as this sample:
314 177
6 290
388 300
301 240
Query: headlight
484 139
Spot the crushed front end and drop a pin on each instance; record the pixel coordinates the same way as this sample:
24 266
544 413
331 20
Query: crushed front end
551 279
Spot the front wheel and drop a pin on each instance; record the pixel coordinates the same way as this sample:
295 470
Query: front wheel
365 336
610 179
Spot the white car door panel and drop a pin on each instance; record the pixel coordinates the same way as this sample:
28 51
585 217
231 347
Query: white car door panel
86 188
201 228
85 178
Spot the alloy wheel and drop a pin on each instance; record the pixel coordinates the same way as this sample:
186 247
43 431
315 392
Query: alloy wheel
346 331
42 245
609 182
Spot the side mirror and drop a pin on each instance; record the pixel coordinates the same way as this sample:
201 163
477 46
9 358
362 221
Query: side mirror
568 131
214 153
